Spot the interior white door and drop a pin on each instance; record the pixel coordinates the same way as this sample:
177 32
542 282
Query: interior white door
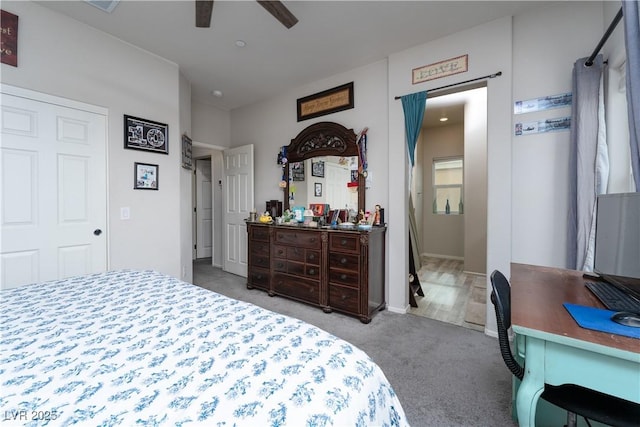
237 203
53 181
204 218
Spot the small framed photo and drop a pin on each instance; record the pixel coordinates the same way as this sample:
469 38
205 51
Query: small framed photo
317 169
142 134
187 157
145 176
317 189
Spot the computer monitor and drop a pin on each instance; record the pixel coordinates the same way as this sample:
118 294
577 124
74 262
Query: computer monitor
617 243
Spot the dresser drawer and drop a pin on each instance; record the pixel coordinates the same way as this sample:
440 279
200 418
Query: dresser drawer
280 251
259 260
344 299
308 239
259 233
344 242
259 277
259 249
297 268
344 261
310 271
296 287
344 277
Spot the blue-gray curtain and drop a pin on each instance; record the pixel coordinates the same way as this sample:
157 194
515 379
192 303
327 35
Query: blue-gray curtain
631 18
588 161
413 106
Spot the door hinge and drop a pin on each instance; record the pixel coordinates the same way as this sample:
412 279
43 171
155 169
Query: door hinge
195 246
194 209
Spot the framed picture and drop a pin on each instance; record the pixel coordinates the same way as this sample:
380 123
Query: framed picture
142 134
317 169
145 176
317 190
297 171
326 102
187 161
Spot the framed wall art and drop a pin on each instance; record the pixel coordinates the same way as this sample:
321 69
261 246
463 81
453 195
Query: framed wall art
142 134
187 154
145 176
317 169
317 190
326 102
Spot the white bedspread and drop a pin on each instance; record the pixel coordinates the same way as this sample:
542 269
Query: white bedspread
140 348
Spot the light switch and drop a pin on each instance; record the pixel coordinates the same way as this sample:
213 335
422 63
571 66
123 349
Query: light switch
125 213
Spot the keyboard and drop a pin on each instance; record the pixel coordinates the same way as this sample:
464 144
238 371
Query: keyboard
612 297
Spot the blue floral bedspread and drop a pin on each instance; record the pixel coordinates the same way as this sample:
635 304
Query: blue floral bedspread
141 348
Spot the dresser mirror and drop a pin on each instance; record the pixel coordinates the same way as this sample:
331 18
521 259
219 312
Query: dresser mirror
320 164
337 179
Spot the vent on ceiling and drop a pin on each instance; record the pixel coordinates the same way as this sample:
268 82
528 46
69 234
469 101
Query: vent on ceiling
104 5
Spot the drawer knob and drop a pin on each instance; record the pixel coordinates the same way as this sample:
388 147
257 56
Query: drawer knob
343 242
344 297
312 256
259 276
343 261
343 277
280 265
312 240
280 252
312 271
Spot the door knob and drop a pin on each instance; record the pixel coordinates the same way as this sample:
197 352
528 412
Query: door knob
97 232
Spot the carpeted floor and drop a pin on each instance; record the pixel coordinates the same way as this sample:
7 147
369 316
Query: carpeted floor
444 375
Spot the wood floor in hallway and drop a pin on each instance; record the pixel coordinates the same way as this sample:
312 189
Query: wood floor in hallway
450 294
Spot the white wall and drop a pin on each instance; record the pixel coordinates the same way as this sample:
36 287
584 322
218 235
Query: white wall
210 125
62 57
543 63
272 123
475 182
489 50
186 215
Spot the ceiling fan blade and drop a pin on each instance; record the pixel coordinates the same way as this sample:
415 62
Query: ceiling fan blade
203 13
280 12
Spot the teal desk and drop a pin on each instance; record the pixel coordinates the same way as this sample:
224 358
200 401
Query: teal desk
557 350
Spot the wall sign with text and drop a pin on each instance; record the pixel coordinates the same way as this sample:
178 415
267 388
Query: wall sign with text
326 102
9 38
437 70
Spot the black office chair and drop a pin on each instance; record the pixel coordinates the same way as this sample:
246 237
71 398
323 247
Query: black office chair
576 400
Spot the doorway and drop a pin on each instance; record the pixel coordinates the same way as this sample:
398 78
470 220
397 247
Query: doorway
452 241
207 204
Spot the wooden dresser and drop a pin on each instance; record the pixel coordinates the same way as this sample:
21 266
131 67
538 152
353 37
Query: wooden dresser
341 270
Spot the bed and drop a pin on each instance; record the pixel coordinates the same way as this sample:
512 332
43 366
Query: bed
141 348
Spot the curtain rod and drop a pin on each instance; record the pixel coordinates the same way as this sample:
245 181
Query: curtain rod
490 76
604 38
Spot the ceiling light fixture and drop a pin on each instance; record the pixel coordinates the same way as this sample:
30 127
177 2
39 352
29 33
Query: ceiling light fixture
216 93
240 43
444 118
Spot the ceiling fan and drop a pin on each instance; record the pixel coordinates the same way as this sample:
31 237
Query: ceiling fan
204 8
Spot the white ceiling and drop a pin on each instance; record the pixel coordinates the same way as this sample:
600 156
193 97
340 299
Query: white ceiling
331 37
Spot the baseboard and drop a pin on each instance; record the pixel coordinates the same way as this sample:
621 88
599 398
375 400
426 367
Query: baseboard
474 273
457 258
398 310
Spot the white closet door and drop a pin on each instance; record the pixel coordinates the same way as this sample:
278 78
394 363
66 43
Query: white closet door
53 181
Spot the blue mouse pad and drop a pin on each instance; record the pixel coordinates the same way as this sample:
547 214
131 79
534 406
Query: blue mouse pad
599 319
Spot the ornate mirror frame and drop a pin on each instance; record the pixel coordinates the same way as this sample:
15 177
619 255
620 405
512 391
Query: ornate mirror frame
324 139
